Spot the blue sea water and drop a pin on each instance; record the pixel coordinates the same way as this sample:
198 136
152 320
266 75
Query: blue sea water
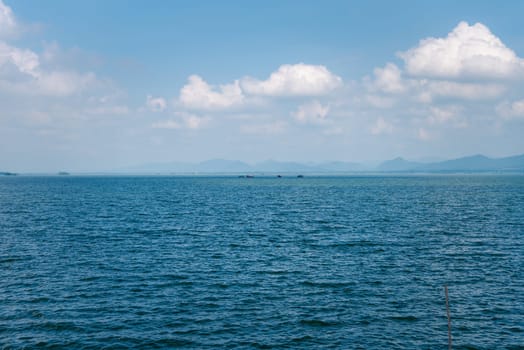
226 262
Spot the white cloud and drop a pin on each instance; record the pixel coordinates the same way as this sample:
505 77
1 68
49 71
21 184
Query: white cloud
312 112
198 94
381 127
23 61
388 79
8 23
194 122
156 104
21 72
468 91
61 83
28 79
294 80
467 52
441 115
447 115
289 80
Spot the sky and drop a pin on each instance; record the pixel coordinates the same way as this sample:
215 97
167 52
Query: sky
103 85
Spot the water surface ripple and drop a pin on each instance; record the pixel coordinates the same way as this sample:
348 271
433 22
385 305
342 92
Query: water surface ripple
224 262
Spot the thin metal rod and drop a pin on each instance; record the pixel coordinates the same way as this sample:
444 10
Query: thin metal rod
449 317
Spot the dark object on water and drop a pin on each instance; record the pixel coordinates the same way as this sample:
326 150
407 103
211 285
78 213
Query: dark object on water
6 173
250 176
63 173
279 176
300 176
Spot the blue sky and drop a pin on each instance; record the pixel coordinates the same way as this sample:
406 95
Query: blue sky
100 85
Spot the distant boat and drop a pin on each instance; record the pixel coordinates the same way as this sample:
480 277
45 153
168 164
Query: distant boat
279 176
300 176
250 176
6 173
63 173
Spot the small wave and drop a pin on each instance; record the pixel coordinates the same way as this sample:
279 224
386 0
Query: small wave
58 326
470 347
327 284
170 342
302 339
516 329
90 278
12 259
175 277
408 318
262 346
318 323
276 272
355 244
39 300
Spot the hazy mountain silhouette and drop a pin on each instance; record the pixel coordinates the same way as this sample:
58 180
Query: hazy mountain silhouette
398 164
476 163
222 166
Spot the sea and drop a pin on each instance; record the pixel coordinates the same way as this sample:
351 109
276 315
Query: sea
222 262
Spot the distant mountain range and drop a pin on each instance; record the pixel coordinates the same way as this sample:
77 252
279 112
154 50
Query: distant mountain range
471 164
477 163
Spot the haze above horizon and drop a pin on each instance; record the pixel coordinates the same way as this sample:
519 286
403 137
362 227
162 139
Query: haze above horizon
91 86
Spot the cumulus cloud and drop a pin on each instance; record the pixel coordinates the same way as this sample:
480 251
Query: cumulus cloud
388 79
294 80
441 115
470 63
468 91
8 24
156 104
312 112
198 94
289 80
469 51
444 83
447 115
